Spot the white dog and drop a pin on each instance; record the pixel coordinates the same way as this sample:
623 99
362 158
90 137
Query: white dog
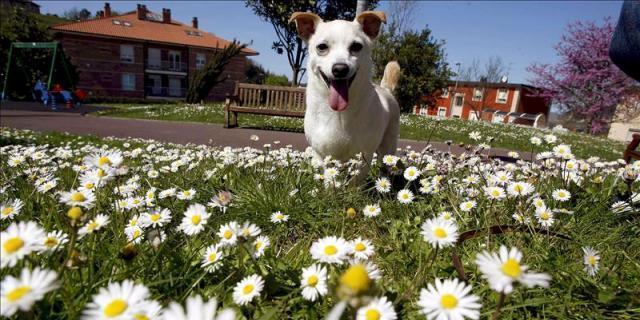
346 113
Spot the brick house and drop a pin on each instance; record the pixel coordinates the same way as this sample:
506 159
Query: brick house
141 54
493 102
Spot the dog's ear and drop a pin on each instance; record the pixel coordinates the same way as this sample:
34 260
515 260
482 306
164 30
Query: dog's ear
371 21
306 23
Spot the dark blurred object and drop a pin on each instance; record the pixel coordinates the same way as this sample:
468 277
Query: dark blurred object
625 44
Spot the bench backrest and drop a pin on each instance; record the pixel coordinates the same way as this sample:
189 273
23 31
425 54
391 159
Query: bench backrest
271 97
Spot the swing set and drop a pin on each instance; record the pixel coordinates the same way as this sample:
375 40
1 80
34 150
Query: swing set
50 93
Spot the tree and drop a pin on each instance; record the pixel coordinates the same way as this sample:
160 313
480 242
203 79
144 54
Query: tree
255 73
76 14
208 77
278 12
276 80
585 82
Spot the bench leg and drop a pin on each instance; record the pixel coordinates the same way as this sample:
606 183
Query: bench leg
230 119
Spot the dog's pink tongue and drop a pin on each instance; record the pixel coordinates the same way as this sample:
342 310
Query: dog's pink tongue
339 94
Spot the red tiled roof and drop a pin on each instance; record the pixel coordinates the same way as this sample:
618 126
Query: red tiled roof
147 30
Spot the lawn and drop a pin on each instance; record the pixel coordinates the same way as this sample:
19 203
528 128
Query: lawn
123 229
412 127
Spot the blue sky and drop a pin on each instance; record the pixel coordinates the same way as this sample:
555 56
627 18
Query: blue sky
520 32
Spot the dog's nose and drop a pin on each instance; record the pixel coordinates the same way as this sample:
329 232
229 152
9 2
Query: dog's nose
340 70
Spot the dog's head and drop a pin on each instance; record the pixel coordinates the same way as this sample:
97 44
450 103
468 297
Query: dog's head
338 50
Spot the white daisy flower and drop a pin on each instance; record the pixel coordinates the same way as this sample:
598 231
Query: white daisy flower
167 193
538 203
228 233
104 160
371 210
503 269
361 248
520 189
186 194
449 299
550 139
332 250
440 233
117 301
156 218
78 198
475 135
212 259
11 209
247 289
278 217
194 220
494 193
383 185
390 160
314 282
94 225
259 245
467 206
134 234
561 195
19 240
405 196
411 173
535 141
197 309
446 215
54 240
21 293
249 229
378 309
545 217
591 261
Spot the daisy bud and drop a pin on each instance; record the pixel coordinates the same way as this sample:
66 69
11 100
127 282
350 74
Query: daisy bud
351 213
75 213
355 281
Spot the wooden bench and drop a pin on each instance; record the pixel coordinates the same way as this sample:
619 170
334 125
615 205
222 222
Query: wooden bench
264 100
631 152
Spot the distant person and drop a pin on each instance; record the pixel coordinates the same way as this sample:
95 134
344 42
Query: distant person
625 43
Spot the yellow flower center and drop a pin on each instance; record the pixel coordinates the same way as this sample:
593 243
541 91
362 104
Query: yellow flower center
195 219
405 196
17 293
518 188
186 193
356 279
360 247
140 316
50 242
372 314
312 281
592 260
448 301
545 215
100 173
12 245
330 250
279 216
247 289
212 257
136 233
89 185
74 213
155 217
92 225
495 193
78 197
562 194
7 211
258 245
511 268
227 234
115 308
104 161
439 233
245 232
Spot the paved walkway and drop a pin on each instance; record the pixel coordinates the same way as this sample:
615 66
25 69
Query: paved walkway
24 115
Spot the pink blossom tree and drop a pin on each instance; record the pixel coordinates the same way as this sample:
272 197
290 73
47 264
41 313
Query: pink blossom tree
585 81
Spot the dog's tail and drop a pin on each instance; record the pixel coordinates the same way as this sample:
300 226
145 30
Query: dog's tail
391 76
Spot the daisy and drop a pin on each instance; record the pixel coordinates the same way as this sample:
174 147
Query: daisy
228 233
221 200
371 210
411 173
278 217
361 248
197 309
331 250
494 193
440 233
48 185
562 151
446 215
186 194
21 293
10 209
390 160
149 309
95 224
501 177
520 189
167 193
156 218
405 196
503 269
373 272
249 229
591 261
550 139
545 217
212 259
467 205
19 240
475 135
134 234
383 185
104 160
379 309
54 240
314 282
561 195
116 301
75 198
194 220
449 299
247 289
259 245
538 203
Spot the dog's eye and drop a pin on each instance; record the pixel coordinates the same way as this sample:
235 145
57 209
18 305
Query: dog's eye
322 48
355 47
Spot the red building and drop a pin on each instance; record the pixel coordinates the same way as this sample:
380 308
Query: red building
142 54
493 102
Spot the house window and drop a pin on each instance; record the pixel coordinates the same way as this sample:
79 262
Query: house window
442 112
424 111
477 94
128 81
502 96
445 93
201 60
126 53
473 115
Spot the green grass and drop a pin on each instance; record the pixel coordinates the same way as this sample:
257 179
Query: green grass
265 181
412 127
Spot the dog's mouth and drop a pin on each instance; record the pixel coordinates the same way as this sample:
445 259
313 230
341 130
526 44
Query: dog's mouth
338 91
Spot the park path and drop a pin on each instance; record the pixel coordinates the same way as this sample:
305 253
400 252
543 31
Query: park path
24 115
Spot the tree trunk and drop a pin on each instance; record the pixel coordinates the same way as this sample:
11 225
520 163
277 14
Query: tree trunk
294 81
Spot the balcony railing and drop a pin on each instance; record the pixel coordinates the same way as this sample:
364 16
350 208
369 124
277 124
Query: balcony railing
165 92
166 65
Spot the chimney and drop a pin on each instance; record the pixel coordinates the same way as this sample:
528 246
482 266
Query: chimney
107 10
194 22
141 11
166 15
100 14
